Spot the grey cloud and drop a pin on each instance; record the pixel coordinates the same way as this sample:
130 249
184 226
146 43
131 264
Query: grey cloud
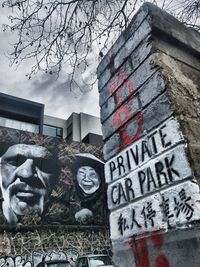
44 88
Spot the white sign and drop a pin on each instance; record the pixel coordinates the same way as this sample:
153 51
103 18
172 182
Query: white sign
140 152
178 205
181 203
156 174
142 216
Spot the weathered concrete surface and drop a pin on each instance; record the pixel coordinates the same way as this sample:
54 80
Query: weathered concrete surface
178 247
184 92
150 108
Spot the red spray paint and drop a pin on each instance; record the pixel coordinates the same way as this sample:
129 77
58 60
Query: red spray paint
123 114
140 250
141 253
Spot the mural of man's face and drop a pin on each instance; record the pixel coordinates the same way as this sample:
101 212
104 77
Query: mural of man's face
88 179
26 174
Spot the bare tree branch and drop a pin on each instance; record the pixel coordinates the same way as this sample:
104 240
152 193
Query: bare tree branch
53 32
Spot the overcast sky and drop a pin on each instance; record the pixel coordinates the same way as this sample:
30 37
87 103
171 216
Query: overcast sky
43 88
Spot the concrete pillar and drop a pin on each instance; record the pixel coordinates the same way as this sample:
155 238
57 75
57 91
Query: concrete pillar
150 109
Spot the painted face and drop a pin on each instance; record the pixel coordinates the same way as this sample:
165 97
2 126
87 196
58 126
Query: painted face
26 174
88 179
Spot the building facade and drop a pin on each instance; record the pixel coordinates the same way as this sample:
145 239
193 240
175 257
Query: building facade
25 115
47 210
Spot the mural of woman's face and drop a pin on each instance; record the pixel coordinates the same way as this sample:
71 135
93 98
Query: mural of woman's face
88 179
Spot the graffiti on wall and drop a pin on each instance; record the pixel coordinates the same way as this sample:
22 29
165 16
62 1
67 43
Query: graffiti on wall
122 87
44 180
57 239
69 255
141 250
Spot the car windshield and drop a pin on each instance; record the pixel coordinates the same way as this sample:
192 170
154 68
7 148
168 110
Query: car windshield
59 264
100 261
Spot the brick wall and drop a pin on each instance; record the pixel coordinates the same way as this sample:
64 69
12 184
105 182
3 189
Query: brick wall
149 98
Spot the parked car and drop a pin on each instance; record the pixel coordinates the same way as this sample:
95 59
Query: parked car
54 263
94 261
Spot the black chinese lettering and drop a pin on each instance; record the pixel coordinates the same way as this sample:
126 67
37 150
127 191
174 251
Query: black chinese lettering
149 214
122 224
166 209
183 205
134 222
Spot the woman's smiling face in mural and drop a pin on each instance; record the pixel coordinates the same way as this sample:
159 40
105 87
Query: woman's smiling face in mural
26 174
88 179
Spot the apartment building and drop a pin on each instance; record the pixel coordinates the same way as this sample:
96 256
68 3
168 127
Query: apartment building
29 116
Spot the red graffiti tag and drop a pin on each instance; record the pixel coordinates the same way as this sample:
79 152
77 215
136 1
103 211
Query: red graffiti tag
127 140
123 114
140 250
157 239
161 261
158 242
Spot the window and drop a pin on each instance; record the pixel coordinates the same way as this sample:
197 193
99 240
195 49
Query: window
82 262
95 261
85 262
19 125
52 131
59 132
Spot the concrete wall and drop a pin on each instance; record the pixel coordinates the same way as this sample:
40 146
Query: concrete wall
149 98
74 121
89 124
83 124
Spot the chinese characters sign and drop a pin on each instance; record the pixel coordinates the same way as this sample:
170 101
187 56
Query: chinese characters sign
177 205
